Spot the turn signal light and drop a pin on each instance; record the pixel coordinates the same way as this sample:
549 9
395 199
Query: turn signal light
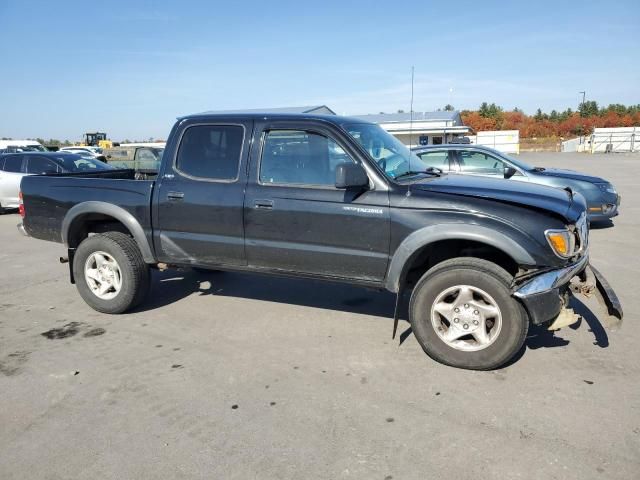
561 242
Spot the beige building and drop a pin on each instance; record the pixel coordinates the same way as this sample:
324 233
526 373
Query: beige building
421 128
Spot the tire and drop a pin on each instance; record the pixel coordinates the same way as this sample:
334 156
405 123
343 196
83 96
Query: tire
489 308
128 281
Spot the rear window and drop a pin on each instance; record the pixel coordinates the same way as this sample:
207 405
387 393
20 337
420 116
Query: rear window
211 151
13 164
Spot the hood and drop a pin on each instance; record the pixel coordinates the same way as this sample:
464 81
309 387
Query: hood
555 200
569 174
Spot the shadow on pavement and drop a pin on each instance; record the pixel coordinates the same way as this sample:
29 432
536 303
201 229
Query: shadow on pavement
601 224
173 285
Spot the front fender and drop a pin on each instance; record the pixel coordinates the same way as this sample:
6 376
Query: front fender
118 213
428 235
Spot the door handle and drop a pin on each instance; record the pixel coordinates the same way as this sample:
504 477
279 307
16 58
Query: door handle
175 195
263 204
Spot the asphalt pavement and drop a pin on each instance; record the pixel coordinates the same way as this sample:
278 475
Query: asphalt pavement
234 376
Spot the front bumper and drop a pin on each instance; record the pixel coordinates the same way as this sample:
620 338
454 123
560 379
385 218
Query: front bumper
546 294
606 209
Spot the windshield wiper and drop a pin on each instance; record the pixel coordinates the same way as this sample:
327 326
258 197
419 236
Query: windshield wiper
434 171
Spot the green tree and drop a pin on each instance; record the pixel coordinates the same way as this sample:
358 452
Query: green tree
589 108
449 108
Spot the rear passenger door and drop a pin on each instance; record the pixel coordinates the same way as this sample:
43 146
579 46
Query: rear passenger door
199 195
295 218
11 174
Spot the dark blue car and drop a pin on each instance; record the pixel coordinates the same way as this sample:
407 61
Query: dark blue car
602 198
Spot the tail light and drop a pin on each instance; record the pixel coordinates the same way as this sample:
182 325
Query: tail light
21 205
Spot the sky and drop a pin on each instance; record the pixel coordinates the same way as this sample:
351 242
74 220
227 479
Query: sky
129 68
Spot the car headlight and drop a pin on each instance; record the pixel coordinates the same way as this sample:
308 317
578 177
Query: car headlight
562 242
607 187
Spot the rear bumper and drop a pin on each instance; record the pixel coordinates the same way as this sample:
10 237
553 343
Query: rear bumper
22 230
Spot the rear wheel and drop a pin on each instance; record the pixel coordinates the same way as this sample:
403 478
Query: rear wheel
462 314
110 273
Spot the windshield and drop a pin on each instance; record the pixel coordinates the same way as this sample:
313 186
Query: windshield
76 163
391 155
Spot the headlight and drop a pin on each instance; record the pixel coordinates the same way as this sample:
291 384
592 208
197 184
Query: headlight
607 187
562 242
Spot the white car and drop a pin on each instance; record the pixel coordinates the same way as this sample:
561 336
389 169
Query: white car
13 146
93 151
15 166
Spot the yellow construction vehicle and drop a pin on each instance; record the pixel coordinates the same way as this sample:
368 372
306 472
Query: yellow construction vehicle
97 139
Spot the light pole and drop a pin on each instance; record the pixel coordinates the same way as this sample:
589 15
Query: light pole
582 113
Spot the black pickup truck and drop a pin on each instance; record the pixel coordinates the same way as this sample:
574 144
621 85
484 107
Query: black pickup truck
333 198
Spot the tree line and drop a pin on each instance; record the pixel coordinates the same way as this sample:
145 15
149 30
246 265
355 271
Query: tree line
565 124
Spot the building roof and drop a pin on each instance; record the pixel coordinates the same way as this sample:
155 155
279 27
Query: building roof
315 109
441 116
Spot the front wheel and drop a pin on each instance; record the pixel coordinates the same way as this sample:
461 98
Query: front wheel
110 273
462 314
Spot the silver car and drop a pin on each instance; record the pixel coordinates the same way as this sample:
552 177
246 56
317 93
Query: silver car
602 198
14 166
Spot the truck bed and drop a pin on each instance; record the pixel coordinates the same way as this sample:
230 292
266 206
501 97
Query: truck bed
48 198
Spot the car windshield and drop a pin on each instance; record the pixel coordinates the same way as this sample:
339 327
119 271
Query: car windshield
76 163
391 155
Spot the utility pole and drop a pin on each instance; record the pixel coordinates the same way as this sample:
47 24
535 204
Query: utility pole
582 111
411 108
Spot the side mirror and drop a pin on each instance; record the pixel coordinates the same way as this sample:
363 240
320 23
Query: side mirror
351 175
509 172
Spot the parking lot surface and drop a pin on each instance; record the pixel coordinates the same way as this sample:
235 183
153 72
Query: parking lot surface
234 376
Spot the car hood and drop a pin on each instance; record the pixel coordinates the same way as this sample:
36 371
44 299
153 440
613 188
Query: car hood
556 200
569 174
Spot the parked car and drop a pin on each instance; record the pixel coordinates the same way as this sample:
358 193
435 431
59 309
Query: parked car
332 198
602 198
95 152
15 146
15 166
145 161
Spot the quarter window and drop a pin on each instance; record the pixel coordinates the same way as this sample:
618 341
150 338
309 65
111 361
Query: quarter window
211 151
300 157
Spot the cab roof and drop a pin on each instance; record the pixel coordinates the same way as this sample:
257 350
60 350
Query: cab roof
273 115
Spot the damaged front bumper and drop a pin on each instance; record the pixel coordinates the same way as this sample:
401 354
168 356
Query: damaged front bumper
545 296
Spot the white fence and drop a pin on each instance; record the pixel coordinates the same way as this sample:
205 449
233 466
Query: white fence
620 139
507 141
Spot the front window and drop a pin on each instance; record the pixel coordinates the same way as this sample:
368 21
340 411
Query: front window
390 154
300 158
436 159
480 163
